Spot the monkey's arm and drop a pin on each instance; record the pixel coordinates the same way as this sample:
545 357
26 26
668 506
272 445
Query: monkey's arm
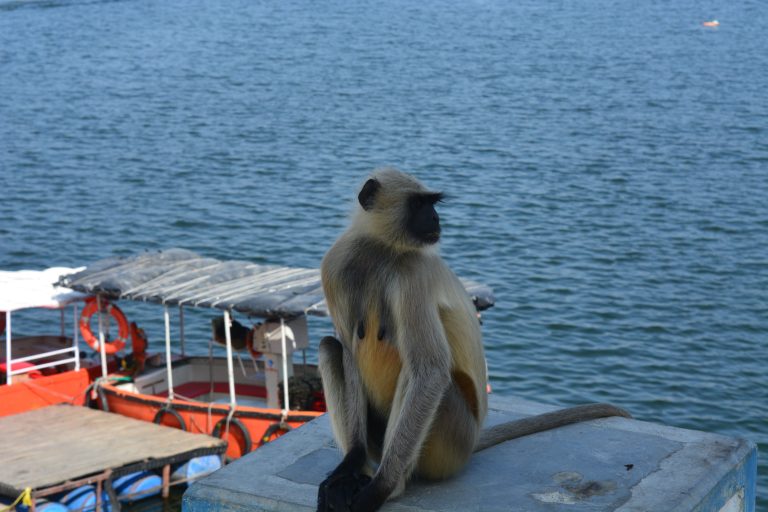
423 380
348 409
547 421
343 393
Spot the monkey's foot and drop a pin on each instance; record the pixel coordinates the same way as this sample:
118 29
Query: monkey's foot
337 492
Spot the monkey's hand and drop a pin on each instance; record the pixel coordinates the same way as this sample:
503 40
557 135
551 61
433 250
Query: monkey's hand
337 492
371 497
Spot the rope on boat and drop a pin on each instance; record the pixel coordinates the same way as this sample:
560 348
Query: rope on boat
230 415
24 498
70 399
209 423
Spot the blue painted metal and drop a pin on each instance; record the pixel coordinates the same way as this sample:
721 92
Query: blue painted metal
612 464
741 479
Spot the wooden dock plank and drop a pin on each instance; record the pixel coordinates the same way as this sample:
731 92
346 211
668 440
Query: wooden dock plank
55 444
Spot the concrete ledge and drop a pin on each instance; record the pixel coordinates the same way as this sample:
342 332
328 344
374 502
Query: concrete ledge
612 464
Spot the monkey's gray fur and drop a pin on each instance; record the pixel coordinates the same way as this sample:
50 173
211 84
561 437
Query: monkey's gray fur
406 382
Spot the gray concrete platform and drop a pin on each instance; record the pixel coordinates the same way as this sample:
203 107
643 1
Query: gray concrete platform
612 464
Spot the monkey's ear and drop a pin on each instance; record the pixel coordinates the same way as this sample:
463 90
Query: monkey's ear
367 195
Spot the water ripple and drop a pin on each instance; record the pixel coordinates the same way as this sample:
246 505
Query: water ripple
606 177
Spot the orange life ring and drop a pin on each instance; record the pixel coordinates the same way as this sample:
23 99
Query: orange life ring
91 307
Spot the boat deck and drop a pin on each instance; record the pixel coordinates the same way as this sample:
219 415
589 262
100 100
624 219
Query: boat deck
61 447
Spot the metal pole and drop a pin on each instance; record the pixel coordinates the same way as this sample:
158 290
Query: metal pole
210 366
98 495
168 352
75 338
230 366
285 369
61 321
102 345
8 362
181 328
166 481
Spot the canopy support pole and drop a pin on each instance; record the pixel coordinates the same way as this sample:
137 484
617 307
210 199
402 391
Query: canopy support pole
61 321
168 365
75 337
181 328
285 368
102 345
230 366
8 361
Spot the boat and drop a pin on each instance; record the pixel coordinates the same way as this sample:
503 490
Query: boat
268 394
45 369
39 373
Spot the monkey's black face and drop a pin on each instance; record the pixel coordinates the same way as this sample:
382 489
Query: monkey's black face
423 223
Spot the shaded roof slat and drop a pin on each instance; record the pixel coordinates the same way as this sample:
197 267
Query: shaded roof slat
179 276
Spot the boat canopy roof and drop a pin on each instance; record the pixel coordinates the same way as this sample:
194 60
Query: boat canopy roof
24 289
182 277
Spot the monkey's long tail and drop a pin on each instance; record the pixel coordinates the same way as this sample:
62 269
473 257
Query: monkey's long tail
519 428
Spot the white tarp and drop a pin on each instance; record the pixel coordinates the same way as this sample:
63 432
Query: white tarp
22 289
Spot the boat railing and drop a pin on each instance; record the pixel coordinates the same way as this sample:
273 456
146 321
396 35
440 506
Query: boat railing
75 359
14 365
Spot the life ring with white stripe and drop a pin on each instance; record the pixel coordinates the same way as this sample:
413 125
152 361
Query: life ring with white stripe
111 346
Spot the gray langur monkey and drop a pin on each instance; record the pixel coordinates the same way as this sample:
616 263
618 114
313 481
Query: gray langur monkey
406 384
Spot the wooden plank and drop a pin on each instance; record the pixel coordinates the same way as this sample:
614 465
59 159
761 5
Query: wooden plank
54 444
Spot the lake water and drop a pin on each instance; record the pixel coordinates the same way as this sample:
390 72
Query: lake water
606 165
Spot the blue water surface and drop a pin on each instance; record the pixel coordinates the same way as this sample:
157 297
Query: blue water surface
606 166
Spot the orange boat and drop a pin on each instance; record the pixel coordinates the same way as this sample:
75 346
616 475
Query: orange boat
41 370
209 395
266 394
197 406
